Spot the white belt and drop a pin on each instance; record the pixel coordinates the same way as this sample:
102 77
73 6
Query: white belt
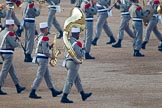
43 55
102 10
137 19
124 13
7 51
88 18
30 19
156 15
51 6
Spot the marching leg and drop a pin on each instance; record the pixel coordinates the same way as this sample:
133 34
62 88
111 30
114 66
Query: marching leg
2 92
85 95
34 95
64 99
19 88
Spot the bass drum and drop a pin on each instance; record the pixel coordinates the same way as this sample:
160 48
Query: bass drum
147 18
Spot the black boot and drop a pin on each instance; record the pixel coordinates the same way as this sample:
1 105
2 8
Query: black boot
85 95
2 92
112 40
137 54
33 95
60 35
28 58
19 88
55 92
64 99
88 56
160 47
94 42
118 44
144 45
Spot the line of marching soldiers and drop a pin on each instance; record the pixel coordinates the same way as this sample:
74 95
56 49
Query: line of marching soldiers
9 39
129 9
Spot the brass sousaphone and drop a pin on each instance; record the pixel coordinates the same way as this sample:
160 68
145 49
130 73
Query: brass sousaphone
159 9
147 18
76 19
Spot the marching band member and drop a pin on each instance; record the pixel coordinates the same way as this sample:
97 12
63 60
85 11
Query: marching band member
137 15
8 44
124 24
53 8
152 26
103 11
72 67
30 12
10 14
90 10
42 60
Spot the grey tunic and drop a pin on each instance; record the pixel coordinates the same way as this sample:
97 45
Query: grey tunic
125 17
29 25
72 68
10 14
8 44
42 60
89 12
152 26
51 15
102 8
137 14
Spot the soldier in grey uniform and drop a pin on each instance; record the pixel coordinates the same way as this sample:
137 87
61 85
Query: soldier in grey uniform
103 10
10 14
30 12
90 10
53 8
8 44
72 67
137 15
43 55
123 5
152 26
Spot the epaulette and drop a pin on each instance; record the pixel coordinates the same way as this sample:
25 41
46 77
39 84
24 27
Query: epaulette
31 5
138 8
156 2
87 6
45 38
11 34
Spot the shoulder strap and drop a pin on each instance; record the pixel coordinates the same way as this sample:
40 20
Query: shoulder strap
39 41
72 47
3 39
